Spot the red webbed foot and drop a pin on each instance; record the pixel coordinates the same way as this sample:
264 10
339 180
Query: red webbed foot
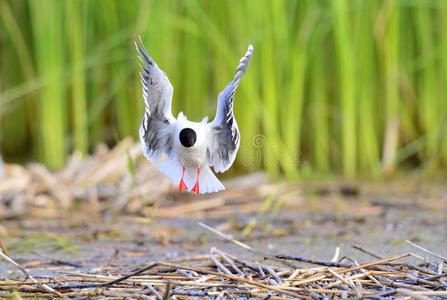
182 185
196 188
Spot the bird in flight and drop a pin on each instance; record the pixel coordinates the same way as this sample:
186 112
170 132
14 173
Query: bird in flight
181 149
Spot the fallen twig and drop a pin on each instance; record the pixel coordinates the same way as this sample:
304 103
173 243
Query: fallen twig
220 274
427 251
28 275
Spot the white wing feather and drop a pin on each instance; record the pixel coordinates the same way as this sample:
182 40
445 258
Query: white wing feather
225 137
155 129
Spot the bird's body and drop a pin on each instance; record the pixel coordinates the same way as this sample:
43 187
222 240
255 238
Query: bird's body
181 149
190 144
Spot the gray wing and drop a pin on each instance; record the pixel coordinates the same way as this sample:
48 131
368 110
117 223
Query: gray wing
155 129
225 138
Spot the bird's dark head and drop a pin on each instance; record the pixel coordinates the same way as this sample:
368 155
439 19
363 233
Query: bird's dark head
187 137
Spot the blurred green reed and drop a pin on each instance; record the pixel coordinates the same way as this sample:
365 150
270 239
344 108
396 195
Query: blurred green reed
357 88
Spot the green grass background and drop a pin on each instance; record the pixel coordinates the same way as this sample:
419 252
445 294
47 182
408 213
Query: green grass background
357 88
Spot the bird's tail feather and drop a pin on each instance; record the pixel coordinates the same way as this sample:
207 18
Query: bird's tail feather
208 182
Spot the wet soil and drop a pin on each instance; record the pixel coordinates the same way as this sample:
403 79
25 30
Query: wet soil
311 220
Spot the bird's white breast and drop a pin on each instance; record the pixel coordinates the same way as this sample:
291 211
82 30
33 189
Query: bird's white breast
194 156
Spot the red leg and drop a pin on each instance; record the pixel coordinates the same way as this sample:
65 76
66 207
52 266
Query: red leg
182 185
196 188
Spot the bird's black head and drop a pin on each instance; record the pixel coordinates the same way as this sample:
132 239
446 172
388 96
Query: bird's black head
187 137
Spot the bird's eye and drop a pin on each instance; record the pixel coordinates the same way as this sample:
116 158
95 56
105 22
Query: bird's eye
187 137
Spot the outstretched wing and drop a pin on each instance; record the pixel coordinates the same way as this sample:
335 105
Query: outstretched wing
225 138
155 128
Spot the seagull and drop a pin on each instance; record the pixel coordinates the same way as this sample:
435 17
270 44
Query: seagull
181 149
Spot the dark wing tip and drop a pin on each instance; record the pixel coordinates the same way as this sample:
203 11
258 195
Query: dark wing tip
250 49
243 64
143 54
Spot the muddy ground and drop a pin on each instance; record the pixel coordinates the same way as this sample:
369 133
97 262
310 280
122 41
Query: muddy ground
307 219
